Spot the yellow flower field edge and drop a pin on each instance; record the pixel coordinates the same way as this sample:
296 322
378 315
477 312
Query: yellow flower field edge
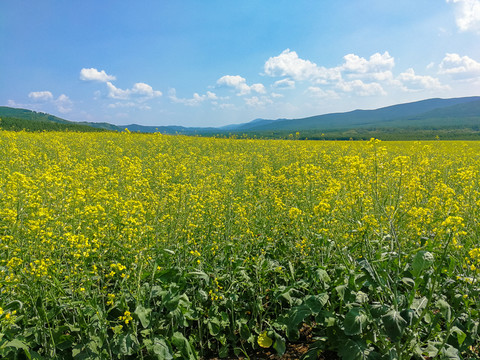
134 246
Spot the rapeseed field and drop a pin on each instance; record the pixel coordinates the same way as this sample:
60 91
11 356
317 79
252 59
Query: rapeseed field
133 246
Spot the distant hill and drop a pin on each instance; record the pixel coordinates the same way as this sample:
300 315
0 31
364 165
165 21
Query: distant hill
396 115
455 118
22 119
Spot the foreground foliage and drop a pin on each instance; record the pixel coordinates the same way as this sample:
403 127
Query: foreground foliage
168 247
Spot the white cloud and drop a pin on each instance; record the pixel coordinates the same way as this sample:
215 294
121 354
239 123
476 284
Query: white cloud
41 95
289 64
467 14
194 101
284 84
377 63
275 95
316 92
460 67
129 104
361 88
378 67
140 90
409 81
93 74
240 84
63 104
255 101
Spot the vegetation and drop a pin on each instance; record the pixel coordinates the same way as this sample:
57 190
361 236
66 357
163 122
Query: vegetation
15 124
172 247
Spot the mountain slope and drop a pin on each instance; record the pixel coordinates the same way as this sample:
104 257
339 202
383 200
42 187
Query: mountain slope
360 118
23 119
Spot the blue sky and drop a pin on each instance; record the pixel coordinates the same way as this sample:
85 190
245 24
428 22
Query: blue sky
217 62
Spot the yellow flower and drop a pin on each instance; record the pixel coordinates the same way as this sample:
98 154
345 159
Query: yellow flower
126 317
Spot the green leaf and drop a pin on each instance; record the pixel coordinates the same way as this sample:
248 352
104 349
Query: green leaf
369 271
449 353
214 326
162 349
223 352
279 344
394 324
353 350
199 274
422 260
143 315
461 336
182 344
17 344
322 276
378 310
244 329
295 317
355 321
126 344
316 302
445 309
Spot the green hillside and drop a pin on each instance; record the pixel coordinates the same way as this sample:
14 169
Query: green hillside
16 124
22 119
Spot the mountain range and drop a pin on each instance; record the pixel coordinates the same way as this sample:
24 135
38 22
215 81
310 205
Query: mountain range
437 114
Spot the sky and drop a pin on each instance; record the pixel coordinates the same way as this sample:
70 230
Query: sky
219 62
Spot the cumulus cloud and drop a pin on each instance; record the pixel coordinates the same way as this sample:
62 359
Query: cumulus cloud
467 14
361 88
194 101
63 104
41 95
284 84
140 90
93 74
316 92
460 67
377 67
255 101
240 84
409 81
290 65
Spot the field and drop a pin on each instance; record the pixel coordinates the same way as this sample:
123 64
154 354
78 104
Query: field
130 246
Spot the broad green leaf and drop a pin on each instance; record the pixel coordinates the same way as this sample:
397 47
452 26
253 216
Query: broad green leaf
408 315
214 326
223 352
243 328
17 344
378 310
162 349
295 317
369 271
126 344
353 350
143 315
316 302
461 336
449 353
279 344
394 324
322 276
182 344
422 261
355 321
199 274
445 309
